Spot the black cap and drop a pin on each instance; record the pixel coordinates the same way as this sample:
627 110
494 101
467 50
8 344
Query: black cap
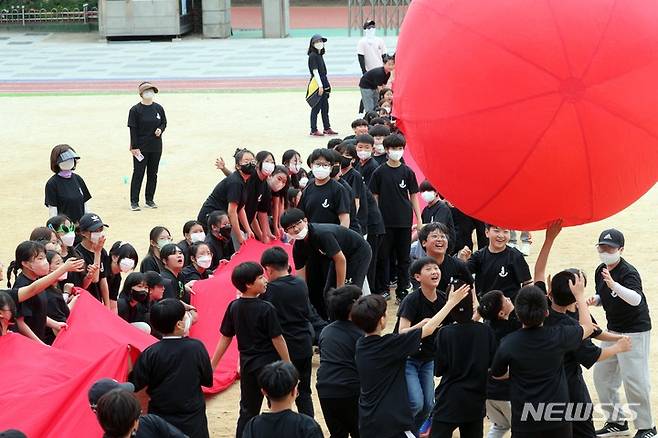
91 222
368 23
12 433
612 237
318 37
103 386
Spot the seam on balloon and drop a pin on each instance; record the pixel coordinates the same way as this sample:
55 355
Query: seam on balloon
559 34
598 45
531 150
587 160
622 117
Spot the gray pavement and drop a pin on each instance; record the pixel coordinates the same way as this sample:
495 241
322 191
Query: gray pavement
57 57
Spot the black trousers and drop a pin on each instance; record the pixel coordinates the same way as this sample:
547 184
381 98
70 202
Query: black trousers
148 165
464 226
356 269
562 431
304 402
341 416
251 399
473 429
375 242
397 243
323 108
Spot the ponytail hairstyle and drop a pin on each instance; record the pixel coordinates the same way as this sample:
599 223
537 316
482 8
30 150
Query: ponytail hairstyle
25 252
6 300
124 250
153 237
285 160
239 153
261 157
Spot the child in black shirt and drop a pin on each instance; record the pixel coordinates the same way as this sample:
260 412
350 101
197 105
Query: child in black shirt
173 371
532 358
434 240
379 133
366 165
289 295
337 378
278 381
463 354
437 210
260 340
381 361
219 238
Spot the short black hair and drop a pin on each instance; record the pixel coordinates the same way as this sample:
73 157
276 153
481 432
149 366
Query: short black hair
117 412
560 290
165 314
367 311
124 250
153 279
278 379
491 304
429 228
365 138
327 154
188 226
169 250
370 115
378 121
333 143
489 226
291 216
463 311
419 264
359 122
275 257
346 148
531 306
379 131
340 300
244 274
215 217
426 186
394 141
196 246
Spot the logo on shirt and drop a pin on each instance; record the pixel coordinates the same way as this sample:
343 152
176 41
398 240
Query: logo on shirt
81 191
613 293
157 116
325 204
260 197
403 185
503 272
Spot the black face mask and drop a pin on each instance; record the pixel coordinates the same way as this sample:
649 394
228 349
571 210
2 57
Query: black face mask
334 171
139 295
248 169
225 232
345 162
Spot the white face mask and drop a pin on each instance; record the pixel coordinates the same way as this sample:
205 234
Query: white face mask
395 155
303 181
67 165
428 196
198 237
275 184
294 168
148 95
363 155
379 148
188 323
64 276
126 265
321 172
369 33
302 234
68 239
96 236
163 242
318 46
267 168
204 261
609 259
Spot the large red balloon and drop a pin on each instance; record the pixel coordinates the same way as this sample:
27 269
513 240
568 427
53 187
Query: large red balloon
525 111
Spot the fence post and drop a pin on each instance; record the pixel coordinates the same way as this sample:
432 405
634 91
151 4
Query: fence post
23 15
84 12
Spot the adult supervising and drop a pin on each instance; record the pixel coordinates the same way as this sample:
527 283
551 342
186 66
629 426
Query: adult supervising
147 122
318 70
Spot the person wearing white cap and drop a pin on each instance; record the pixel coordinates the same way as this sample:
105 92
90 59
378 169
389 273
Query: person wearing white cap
619 291
66 191
147 122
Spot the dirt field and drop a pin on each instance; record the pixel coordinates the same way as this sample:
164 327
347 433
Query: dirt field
201 127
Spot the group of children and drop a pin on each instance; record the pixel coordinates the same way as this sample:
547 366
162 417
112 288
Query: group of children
504 342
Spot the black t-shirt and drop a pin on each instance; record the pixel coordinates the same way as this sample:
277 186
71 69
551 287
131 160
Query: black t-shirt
415 307
499 389
440 212
504 271
150 263
394 186
185 247
230 189
113 282
143 120
190 273
221 249
33 311
366 169
375 220
453 268
355 223
327 240
383 404
88 257
463 355
57 310
254 322
316 62
337 376
289 296
68 195
380 159
621 316
358 187
174 287
173 370
286 423
259 197
137 313
374 78
535 357
323 204
152 426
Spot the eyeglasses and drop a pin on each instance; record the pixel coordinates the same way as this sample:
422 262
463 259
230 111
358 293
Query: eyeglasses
296 224
323 165
63 229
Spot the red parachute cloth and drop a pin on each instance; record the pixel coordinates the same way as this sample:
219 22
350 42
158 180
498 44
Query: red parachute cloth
211 298
44 389
521 112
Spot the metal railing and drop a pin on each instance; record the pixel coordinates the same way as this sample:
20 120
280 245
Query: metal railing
388 14
23 16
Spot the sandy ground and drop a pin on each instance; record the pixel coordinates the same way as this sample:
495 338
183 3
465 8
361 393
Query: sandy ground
201 127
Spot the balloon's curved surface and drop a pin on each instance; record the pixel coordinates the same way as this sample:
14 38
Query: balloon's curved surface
522 112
